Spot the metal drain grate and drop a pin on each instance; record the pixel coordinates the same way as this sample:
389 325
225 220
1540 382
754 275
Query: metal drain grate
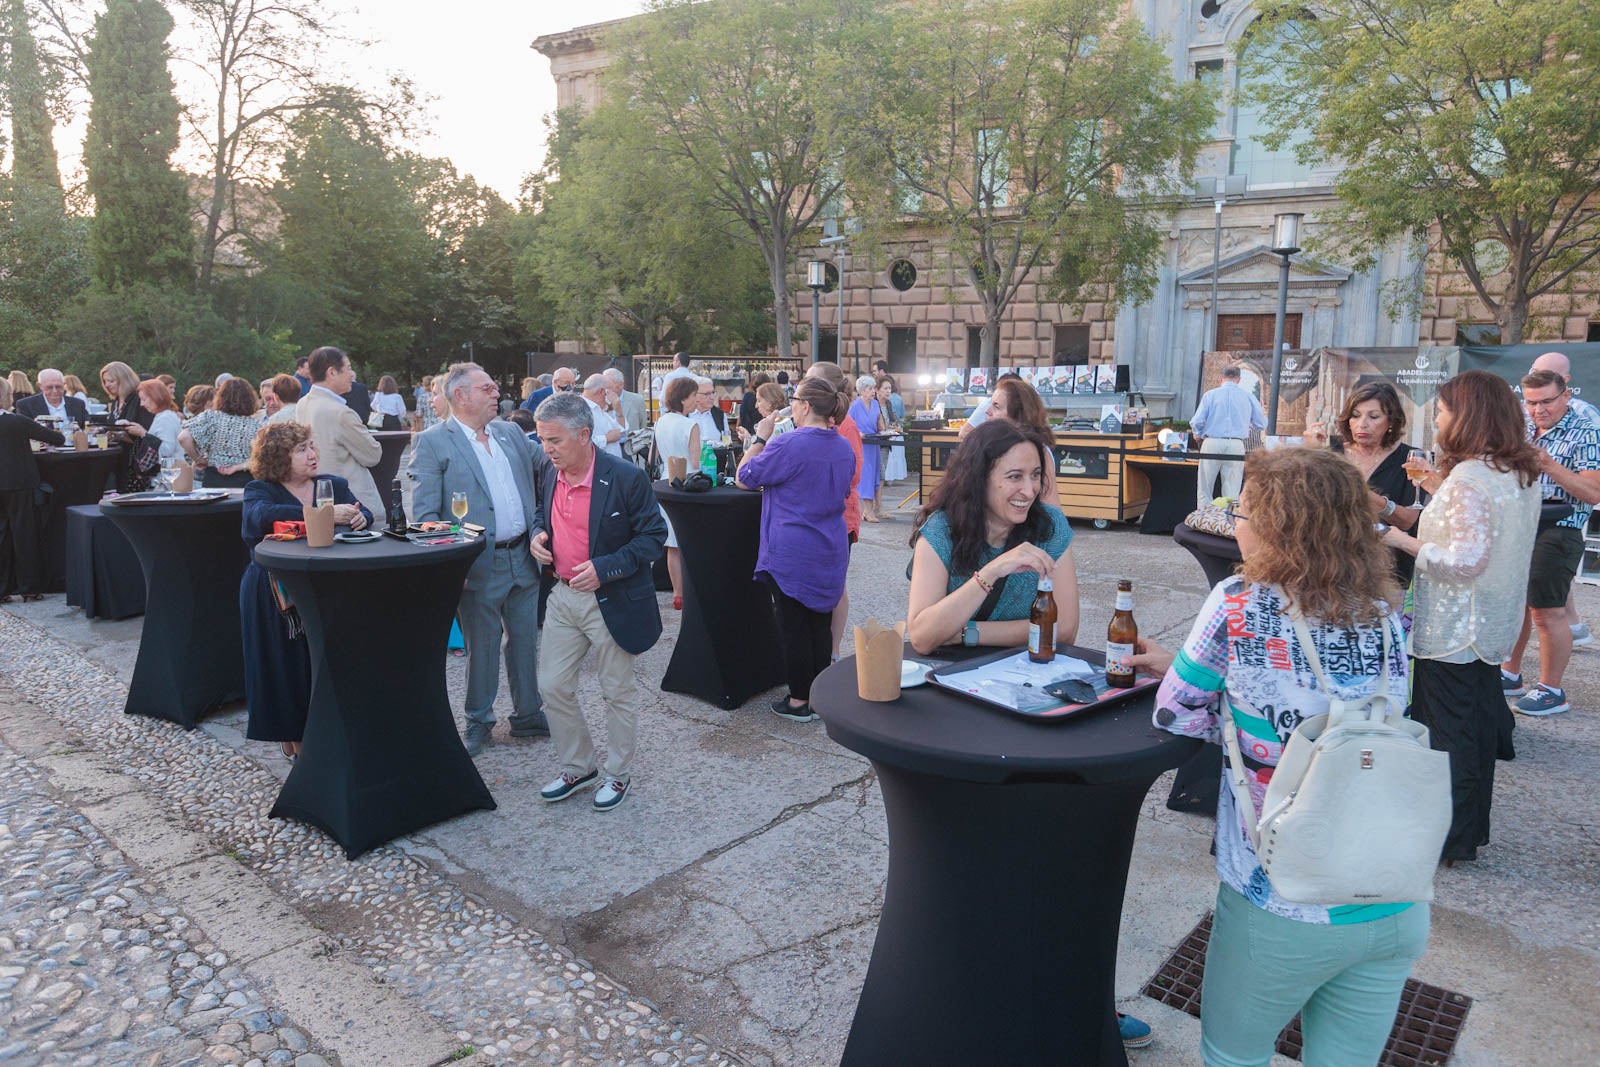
1426 1027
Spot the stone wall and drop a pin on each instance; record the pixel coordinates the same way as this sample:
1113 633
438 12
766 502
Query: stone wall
1449 300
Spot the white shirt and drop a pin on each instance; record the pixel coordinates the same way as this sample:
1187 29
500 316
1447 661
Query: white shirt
330 392
676 372
509 521
389 404
980 414
709 432
51 409
603 425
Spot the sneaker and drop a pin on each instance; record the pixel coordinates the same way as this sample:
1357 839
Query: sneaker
785 710
1543 701
1135 1033
478 738
610 795
1581 637
529 729
1512 684
568 784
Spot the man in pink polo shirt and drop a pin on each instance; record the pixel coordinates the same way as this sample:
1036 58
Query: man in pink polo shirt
602 532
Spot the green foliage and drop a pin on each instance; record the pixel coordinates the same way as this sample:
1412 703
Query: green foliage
632 248
160 330
49 251
34 168
140 232
748 95
1480 117
1036 136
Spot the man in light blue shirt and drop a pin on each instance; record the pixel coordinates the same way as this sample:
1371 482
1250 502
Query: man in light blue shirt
1224 419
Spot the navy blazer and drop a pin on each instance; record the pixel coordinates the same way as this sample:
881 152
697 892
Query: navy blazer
626 536
35 405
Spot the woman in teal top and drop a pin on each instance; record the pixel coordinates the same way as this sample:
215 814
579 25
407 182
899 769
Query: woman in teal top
987 524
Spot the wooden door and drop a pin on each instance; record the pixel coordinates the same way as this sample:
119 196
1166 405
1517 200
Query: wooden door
1253 333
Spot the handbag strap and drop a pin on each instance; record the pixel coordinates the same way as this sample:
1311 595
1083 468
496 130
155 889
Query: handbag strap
1230 732
986 609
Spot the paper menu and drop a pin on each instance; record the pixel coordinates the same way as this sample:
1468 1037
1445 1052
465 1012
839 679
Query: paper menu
1019 683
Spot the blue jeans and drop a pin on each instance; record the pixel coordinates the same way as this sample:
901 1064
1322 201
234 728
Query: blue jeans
1346 980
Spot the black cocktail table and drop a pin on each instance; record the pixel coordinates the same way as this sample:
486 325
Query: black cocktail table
381 755
74 478
103 573
1009 843
728 648
191 656
1218 556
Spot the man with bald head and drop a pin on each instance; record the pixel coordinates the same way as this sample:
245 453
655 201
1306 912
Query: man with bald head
52 399
607 436
561 381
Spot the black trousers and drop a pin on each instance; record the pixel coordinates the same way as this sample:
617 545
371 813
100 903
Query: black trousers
807 641
22 563
1462 705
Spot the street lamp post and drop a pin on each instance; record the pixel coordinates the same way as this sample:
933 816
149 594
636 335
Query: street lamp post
1285 243
1218 190
816 281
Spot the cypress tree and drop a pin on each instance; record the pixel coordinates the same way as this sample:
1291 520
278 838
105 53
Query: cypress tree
141 230
35 170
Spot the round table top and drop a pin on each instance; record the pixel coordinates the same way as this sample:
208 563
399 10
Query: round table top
723 496
1214 544
232 504
391 435
69 454
931 730
386 553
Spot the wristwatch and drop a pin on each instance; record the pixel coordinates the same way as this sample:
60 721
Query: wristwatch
1388 508
757 439
969 636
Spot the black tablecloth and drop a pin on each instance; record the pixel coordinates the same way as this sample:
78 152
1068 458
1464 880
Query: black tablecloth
103 574
728 647
73 478
1217 556
1009 843
381 756
191 656
394 445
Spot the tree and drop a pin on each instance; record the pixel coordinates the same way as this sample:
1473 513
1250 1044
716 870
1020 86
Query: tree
745 93
262 59
1480 118
631 249
140 231
354 244
1038 138
34 167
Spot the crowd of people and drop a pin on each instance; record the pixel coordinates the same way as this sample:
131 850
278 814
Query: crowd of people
1420 573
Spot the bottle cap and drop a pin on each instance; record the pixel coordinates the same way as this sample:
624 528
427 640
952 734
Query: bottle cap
1047 584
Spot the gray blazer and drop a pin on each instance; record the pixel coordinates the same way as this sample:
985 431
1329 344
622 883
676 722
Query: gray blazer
633 409
442 463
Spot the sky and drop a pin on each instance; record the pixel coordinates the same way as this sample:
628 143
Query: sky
491 90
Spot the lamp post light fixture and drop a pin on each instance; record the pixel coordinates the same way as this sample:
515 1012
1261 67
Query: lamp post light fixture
1285 243
1218 190
816 281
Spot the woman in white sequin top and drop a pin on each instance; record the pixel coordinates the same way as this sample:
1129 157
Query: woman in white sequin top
1472 547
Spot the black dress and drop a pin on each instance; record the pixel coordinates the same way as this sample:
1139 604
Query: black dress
22 559
277 667
130 480
1389 479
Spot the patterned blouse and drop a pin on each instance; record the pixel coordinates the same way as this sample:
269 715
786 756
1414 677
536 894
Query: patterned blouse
1243 649
224 440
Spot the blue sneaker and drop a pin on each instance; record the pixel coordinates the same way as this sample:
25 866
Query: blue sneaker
1135 1033
1512 684
1543 701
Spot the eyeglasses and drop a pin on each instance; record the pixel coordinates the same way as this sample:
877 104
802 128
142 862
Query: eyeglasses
1532 404
1233 512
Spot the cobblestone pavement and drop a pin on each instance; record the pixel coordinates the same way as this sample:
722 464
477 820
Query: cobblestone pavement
96 970
502 989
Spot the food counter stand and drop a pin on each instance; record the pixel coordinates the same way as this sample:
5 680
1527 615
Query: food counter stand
1094 480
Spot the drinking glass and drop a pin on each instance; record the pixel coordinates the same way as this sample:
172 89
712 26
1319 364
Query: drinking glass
458 508
323 494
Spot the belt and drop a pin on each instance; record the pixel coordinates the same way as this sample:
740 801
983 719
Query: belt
513 543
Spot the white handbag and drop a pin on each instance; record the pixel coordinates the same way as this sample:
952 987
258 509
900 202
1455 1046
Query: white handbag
1358 806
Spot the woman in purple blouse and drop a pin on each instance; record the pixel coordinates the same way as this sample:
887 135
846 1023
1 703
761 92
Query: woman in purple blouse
805 549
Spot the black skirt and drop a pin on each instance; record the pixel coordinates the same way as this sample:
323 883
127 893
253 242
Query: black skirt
1462 705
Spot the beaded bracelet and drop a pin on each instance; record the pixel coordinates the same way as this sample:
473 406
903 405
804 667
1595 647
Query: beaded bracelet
985 586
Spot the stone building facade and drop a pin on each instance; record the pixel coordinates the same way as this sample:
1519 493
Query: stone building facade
932 322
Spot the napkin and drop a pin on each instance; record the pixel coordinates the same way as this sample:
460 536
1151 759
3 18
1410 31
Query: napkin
878 650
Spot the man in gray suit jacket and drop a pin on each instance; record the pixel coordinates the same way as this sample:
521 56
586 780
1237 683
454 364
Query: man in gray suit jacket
493 463
633 405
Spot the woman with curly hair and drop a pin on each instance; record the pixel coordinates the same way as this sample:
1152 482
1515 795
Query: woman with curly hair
277 660
219 439
1316 589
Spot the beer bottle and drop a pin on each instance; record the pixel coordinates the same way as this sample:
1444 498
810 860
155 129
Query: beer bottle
1121 636
1042 622
397 510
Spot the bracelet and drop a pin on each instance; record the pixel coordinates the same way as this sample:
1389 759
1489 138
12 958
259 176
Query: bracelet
1389 507
985 586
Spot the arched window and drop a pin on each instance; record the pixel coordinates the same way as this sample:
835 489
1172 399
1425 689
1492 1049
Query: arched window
1265 166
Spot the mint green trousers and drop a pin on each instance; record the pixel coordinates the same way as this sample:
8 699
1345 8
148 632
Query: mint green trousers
1345 980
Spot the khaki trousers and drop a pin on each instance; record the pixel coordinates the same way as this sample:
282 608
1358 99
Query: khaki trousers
1232 473
572 626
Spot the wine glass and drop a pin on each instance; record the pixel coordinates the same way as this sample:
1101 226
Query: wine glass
323 493
458 508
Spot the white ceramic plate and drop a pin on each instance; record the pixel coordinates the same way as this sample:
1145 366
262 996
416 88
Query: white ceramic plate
357 537
913 673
